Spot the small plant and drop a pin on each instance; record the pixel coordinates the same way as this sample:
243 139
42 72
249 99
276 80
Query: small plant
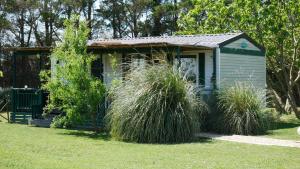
155 105
5 99
243 109
60 122
5 94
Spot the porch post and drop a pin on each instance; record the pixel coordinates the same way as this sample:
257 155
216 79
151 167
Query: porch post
14 69
178 56
101 68
218 70
124 67
40 55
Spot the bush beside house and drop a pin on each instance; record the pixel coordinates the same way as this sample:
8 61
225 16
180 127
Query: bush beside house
73 90
240 109
155 105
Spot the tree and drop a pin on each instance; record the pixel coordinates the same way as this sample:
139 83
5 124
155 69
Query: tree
157 15
4 23
112 15
72 88
274 24
135 10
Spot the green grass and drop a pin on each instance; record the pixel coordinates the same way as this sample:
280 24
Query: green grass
286 128
23 147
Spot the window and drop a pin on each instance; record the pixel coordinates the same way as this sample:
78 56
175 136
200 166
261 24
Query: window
97 68
137 60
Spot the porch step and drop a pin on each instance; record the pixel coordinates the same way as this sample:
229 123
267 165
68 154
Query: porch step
41 122
20 117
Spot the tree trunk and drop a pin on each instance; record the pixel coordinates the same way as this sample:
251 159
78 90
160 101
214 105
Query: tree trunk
156 30
114 27
22 32
279 104
89 15
46 20
175 26
135 26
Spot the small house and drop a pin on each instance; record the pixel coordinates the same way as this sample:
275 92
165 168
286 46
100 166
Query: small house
209 61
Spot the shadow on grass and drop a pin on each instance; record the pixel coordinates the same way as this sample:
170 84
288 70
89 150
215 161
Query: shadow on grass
202 140
194 140
88 134
107 137
290 124
286 125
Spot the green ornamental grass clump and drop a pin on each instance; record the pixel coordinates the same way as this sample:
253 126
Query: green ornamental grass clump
243 108
155 105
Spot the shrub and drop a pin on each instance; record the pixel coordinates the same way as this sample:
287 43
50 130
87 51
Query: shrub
72 88
155 105
243 107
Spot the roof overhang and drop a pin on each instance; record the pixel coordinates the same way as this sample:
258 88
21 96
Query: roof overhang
109 48
188 42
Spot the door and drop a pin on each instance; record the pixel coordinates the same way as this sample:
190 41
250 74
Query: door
192 68
187 67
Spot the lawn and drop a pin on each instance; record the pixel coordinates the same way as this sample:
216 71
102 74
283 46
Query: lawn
286 128
26 147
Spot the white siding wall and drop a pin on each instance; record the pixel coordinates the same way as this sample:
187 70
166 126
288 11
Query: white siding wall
243 68
209 68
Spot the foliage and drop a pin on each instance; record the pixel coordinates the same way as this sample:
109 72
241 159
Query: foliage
5 93
21 20
274 24
243 107
72 88
160 107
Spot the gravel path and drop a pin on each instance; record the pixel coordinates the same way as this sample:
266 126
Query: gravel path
252 140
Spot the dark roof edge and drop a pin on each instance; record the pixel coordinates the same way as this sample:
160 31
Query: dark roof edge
243 35
164 44
15 49
166 36
91 47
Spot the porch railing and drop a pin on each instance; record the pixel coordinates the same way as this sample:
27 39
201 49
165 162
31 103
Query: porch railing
29 103
26 103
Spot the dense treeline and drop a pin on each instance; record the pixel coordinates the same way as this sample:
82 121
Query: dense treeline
274 24
28 23
40 22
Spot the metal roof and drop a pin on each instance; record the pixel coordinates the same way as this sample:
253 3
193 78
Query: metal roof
202 40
